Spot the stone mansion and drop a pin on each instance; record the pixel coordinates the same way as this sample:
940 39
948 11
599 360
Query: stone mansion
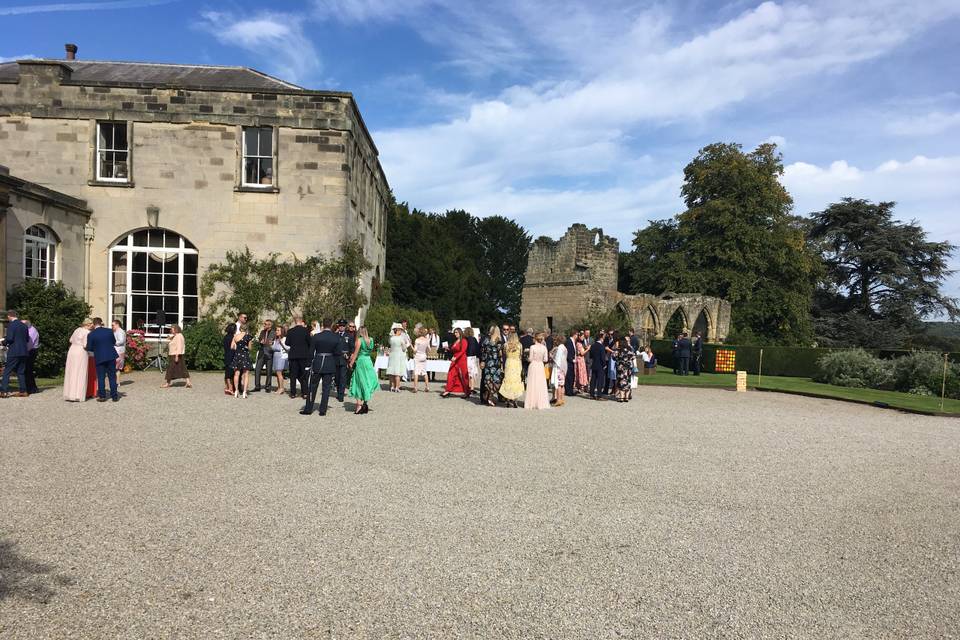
125 180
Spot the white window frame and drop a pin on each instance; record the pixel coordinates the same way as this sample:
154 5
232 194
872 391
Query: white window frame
33 245
150 329
97 158
244 155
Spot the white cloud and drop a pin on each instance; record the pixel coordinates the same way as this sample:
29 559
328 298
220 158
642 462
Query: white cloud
780 141
26 56
81 6
925 189
580 127
277 38
928 124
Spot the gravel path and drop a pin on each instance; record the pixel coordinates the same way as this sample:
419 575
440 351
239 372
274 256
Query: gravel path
688 513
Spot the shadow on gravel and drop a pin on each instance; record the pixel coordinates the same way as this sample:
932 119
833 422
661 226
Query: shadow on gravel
21 577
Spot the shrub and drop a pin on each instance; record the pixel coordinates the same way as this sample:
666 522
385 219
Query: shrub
138 350
853 368
921 373
55 311
204 345
600 321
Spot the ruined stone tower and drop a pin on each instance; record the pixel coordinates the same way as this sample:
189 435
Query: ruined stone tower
575 276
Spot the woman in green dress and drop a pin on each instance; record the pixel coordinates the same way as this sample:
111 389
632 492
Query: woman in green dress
364 380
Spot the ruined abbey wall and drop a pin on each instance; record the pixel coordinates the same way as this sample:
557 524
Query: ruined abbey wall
570 278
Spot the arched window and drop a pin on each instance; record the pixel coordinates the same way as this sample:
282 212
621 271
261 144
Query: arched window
153 281
40 254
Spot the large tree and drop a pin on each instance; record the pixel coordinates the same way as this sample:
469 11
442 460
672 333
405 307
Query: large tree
737 240
456 265
882 276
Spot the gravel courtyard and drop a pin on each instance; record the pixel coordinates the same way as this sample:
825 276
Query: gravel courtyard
688 513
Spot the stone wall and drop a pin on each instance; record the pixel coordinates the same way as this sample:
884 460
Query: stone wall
569 279
185 159
23 205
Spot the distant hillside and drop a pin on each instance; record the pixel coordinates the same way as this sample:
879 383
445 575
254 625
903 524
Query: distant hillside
950 330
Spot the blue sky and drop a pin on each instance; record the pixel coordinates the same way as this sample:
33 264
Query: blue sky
561 112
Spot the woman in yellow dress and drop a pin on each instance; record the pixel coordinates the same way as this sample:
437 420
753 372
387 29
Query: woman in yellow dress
512 387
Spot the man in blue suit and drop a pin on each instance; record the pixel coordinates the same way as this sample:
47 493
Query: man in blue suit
102 343
17 343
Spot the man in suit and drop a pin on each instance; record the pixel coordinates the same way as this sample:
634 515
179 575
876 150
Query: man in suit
327 349
102 343
598 372
298 356
348 338
568 381
697 351
526 341
33 350
675 353
265 355
635 346
683 351
17 343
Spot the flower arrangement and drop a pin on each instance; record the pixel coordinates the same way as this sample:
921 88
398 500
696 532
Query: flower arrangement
137 349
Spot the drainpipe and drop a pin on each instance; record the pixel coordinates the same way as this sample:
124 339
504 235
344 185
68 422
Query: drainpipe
88 235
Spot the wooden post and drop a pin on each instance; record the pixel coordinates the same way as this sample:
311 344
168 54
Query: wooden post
760 369
943 384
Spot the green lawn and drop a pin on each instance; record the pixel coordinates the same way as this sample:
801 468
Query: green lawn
807 386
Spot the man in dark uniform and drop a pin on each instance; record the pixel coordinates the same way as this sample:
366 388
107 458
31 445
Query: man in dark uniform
348 337
683 350
697 351
526 341
298 356
598 372
568 380
676 355
327 350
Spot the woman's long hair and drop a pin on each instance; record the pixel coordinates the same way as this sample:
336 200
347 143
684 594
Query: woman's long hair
494 334
513 342
458 333
362 332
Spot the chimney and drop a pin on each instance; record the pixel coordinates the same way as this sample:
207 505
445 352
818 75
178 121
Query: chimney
71 51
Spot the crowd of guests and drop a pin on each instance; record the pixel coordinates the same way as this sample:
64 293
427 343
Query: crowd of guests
544 367
326 358
503 367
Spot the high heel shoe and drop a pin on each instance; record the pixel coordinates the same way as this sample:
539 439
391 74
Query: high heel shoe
236 394
365 409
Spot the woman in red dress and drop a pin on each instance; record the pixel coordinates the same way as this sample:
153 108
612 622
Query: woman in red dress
458 380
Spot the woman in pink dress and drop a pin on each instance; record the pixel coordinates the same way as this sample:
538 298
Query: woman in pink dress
537 396
581 381
75 373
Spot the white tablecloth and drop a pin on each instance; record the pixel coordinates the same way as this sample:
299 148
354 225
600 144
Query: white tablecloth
433 366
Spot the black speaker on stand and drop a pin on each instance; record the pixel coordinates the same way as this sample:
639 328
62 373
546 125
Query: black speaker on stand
160 361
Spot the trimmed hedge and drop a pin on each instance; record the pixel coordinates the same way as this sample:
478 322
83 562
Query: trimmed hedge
799 362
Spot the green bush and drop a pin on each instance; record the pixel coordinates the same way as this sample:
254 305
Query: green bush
55 311
922 373
380 317
204 345
596 322
854 368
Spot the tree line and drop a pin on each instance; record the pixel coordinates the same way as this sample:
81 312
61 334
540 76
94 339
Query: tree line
850 275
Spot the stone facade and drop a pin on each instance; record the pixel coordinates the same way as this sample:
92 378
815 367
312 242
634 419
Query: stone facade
568 279
185 159
24 205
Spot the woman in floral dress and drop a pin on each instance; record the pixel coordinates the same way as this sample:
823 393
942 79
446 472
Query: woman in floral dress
581 380
625 362
491 366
